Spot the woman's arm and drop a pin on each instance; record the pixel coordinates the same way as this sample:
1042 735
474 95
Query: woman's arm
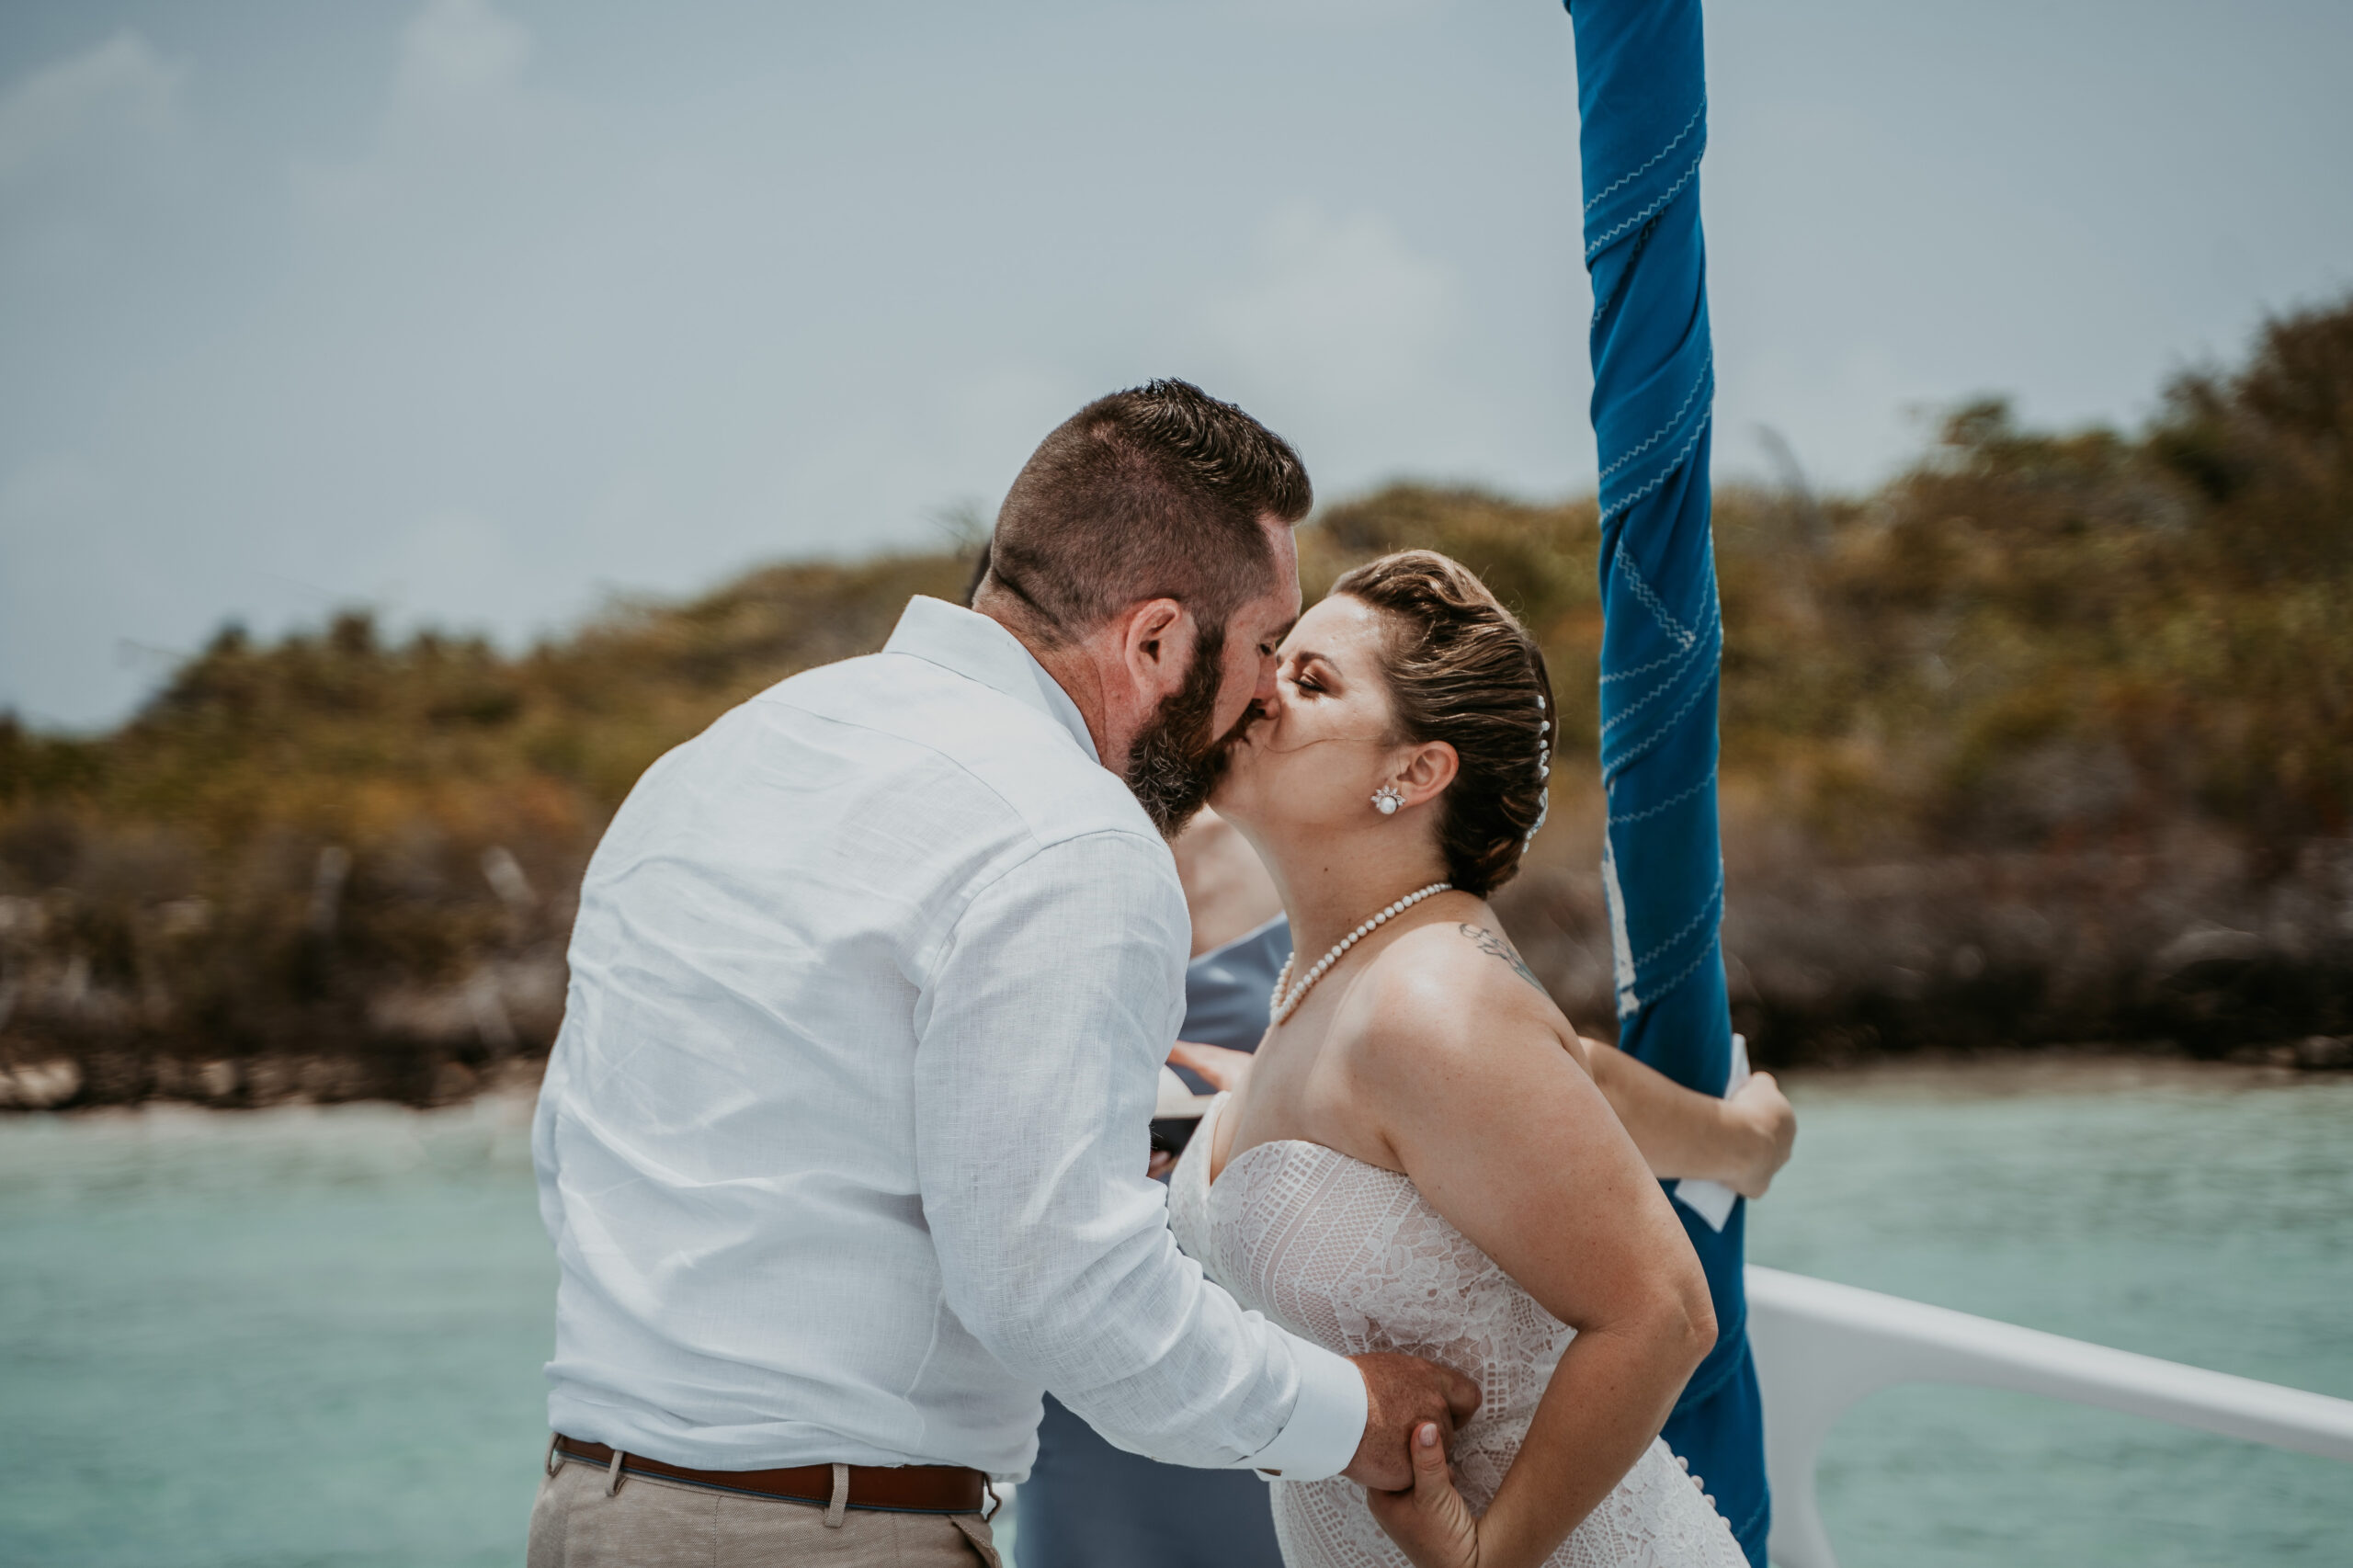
1465 1073
1742 1141
1221 1066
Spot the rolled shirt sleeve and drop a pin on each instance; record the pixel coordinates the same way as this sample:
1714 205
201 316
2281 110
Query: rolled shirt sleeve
1043 1020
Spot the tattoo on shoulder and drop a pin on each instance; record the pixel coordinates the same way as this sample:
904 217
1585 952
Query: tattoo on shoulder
1495 946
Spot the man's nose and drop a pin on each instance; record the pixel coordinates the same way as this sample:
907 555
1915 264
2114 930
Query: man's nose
1269 682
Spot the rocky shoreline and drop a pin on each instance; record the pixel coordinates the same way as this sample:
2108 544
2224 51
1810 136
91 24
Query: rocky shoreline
2198 949
2194 956
121 1079
56 1085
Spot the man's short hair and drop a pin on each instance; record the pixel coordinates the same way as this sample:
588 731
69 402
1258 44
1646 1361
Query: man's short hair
1153 493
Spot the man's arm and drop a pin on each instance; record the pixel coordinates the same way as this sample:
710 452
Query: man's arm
1743 1141
1042 1030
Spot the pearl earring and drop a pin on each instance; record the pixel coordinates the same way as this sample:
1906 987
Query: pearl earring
1386 800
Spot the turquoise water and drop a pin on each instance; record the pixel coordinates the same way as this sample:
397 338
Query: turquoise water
313 1337
2206 1217
268 1340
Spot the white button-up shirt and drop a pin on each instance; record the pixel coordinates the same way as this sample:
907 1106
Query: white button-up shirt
843 1142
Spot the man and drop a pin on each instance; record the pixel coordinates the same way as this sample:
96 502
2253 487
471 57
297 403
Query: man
843 1144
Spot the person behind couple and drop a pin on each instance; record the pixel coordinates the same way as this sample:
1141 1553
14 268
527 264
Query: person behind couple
843 1141
1419 1157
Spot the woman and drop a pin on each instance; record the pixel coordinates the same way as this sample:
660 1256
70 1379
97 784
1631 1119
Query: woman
1419 1158
1087 1502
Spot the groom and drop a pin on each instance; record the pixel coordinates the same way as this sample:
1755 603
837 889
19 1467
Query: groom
843 1144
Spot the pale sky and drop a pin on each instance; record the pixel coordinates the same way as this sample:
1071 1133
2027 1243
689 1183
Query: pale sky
480 310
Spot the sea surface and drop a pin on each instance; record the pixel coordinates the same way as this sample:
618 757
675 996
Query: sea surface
312 1336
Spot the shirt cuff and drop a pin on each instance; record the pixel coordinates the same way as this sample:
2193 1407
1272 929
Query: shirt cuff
1327 1424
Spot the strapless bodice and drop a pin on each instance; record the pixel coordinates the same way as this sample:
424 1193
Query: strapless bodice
1353 1258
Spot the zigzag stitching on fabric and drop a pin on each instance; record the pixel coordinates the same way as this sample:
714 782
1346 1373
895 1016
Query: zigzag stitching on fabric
1594 247
1667 989
1619 508
1696 651
1609 770
1709 639
1612 767
1715 619
1683 637
1668 805
1663 431
1641 669
1702 634
1715 896
1623 181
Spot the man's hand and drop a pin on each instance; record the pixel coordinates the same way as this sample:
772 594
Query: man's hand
1403 1392
1223 1067
1769 1129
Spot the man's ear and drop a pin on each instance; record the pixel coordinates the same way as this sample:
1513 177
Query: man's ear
1157 647
1427 770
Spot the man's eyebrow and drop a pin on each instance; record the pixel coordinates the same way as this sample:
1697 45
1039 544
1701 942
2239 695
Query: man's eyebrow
1283 631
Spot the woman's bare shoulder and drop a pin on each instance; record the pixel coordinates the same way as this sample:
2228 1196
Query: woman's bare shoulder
1444 995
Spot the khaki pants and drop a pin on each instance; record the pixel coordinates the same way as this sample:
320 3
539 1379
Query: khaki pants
652 1523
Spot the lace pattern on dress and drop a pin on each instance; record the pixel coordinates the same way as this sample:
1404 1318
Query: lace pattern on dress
1354 1258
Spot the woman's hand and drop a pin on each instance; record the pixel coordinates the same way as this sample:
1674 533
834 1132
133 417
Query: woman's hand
1769 1127
1223 1068
1742 1141
1431 1523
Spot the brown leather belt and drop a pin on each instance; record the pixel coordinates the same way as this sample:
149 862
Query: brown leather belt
902 1489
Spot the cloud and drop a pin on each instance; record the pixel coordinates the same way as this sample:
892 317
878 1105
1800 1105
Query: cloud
457 50
465 149
1363 351
122 91
1336 312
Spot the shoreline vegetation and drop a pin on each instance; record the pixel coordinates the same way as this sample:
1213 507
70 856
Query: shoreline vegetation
2048 740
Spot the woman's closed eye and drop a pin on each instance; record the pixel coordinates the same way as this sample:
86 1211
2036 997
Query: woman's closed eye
1306 674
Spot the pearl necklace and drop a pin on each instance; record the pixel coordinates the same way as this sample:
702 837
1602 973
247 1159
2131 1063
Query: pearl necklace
1285 1002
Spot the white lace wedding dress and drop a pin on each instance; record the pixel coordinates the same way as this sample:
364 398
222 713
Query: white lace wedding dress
1351 1256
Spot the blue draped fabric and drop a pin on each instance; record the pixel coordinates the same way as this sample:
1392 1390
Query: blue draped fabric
1642 96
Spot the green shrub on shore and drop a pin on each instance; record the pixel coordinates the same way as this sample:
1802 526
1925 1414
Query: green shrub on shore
2103 682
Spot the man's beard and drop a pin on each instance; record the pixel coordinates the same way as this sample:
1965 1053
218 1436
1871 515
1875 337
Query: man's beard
1175 762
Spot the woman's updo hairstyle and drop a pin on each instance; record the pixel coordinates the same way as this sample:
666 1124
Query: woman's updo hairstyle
1461 669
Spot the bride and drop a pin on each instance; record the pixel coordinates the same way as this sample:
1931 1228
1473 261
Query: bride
1418 1159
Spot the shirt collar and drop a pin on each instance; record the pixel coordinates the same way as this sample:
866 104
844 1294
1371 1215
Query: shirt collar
979 649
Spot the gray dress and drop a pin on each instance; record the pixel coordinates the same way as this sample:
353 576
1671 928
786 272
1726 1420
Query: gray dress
1087 1505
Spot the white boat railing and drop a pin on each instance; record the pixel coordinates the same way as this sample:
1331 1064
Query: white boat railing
1822 1347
